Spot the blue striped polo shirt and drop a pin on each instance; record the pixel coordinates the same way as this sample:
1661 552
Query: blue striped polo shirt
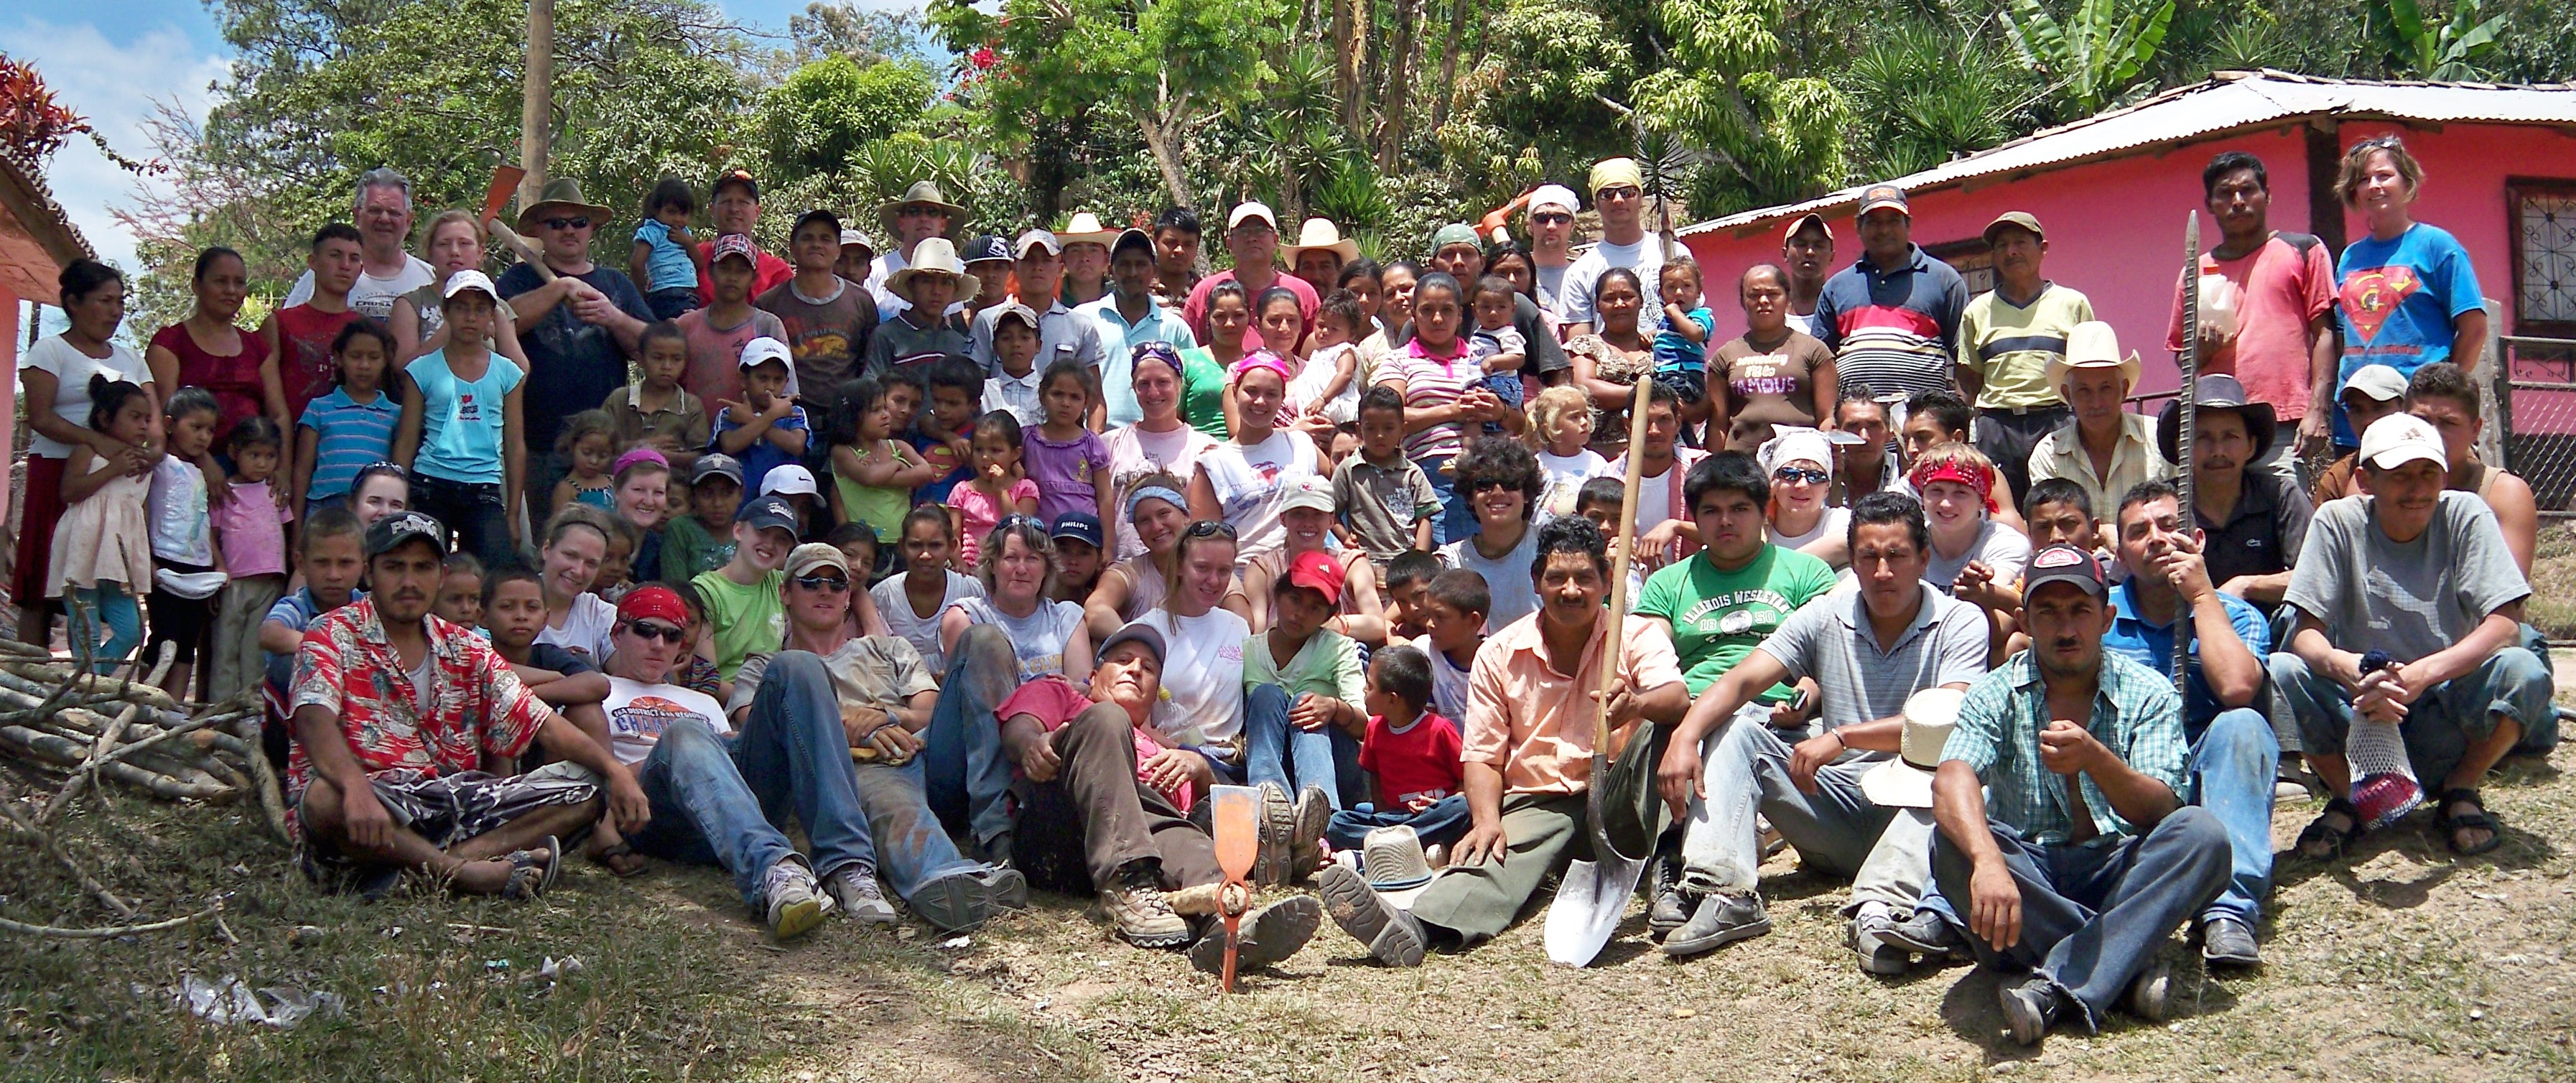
348 437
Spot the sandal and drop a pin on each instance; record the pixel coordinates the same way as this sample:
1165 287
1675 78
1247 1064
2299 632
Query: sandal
2477 819
529 877
610 857
2323 841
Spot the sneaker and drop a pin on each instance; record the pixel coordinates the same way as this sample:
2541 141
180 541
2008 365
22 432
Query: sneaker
796 903
1718 920
2229 942
1143 916
1393 937
1311 814
1009 889
1265 936
1925 932
2151 992
1672 905
1278 824
1867 935
1772 841
995 851
955 903
854 890
2029 1007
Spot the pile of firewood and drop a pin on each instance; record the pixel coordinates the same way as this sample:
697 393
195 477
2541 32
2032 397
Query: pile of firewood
58 718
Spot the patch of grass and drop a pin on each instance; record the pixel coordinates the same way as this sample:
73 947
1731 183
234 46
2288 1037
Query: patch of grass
2552 608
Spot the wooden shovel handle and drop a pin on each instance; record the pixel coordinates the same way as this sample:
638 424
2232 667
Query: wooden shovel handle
1614 644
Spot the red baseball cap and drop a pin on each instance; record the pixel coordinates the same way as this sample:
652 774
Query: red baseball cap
1317 571
655 601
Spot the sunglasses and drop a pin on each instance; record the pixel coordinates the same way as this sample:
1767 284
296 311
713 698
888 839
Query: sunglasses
1621 192
1811 476
1552 218
567 223
651 630
833 583
1015 522
1209 528
1481 484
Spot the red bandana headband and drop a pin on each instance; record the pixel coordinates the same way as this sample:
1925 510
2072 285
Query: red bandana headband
1977 478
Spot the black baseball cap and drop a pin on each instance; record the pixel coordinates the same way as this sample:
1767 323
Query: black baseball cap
2065 564
1081 526
398 529
1134 632
986 248
766 513
732 178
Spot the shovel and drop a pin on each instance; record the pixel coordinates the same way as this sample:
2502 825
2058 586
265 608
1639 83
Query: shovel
1234 818
1594 894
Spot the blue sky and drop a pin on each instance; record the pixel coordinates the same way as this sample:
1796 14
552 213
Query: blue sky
111 60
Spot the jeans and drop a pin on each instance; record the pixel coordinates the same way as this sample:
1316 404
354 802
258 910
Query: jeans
721 798
2444 722
964 770
1443 822
109 603
672 303
2094 914
477 513
2233 761
1457 516
1275 750
1838 830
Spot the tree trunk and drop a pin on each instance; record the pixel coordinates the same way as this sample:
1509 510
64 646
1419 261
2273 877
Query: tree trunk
1346 75
536 100
1167 158
1448 88
1395 100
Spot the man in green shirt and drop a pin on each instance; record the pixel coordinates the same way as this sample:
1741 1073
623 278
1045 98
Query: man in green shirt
2007 337
743 598
1720 603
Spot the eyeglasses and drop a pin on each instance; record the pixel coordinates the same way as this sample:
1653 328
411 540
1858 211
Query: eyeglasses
1209 528
835 584
1810 475
568 223
651 630
1552 218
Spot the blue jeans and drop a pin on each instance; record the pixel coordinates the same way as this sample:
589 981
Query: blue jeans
1443 822
116 607
1457 516
964 770
2233 760
2444 722
1275 750
1838 830
2094 914
912 848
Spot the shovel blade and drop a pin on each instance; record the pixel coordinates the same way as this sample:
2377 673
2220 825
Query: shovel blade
1234 817
1590 901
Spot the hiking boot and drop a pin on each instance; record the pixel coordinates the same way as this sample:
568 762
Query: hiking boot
1392 936
1925 932
1672 905
2229 942
854 890
1143 916
2029 1007
1278 824
1868 936
2151 992
1313 811
1266 935
796 904
1718 920
957 902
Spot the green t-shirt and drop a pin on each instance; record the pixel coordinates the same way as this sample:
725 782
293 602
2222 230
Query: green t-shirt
1327 665
1718 617
748 620
689 548
1203 392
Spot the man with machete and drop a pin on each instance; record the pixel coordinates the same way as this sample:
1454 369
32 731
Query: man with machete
1528 744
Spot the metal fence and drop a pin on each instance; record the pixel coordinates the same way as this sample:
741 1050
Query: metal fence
2534 411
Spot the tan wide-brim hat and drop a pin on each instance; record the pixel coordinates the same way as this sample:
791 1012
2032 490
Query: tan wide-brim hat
2092 345
1320 233
561 196
1085 228
933 256
922 194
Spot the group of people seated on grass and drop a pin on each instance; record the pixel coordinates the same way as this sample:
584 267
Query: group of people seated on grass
1054 569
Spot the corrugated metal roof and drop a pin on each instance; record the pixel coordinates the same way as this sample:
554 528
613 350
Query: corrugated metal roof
2227 102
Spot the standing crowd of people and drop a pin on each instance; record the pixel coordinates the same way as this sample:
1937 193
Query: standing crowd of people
983 558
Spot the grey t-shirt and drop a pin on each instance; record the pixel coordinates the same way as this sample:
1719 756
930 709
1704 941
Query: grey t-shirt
922 632
2001 548
1507 579
2410 599
1830 640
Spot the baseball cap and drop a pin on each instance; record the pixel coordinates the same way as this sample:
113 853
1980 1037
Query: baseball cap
1138 633
732 177
788 479
468 279
987 248
763 350
654 601
811 557
2398 439
1250 210
1554 195
1132 238
1318 571
1015 311
1080 526
2020 219
851 236
398 529
2067 564
1037 238
1801 222
1308 492
2380 382
1456 233
1884 195
717 464
733 244
769 512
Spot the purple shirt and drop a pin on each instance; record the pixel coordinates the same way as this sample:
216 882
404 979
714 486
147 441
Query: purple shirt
1064 471
251 528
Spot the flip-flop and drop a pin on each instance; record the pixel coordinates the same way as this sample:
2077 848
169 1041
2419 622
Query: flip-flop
530 878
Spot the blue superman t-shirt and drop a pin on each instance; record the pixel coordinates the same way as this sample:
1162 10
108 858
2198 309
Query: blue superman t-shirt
2396 300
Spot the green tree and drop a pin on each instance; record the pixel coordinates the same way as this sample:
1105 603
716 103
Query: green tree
1922 93
2420 47
2098 55
1554 80
827 110
1766 137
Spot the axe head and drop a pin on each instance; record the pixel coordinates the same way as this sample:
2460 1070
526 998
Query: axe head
505 180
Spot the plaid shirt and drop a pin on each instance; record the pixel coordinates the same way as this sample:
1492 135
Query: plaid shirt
2135 714
477 705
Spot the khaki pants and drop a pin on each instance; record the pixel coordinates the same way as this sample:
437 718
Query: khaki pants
237 662
1544 833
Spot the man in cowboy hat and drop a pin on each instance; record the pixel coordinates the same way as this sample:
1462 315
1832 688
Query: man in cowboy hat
1252 237
1130 317
1551 229
579 329
734 203
922 213
935 279
1086 258
2007 338
2257 519
2106 450
1868 650
1619 193
1319 254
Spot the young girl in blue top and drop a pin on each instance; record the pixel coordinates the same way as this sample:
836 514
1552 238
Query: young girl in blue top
461 434
352 426
665 263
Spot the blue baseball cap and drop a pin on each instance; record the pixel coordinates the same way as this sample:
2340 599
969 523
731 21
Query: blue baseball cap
766 513
1079 525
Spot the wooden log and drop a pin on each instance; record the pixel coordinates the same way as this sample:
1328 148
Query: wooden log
136 691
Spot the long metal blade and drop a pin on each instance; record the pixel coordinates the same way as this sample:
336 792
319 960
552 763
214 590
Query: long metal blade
2190 416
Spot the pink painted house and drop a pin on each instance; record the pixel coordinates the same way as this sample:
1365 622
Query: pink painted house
2112 191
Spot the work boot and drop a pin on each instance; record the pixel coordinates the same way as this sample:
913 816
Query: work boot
2229 942
1136 904
2029 1007
1719 920
1266 935
1672 905
795 903
1278 824
1393 937
1312 813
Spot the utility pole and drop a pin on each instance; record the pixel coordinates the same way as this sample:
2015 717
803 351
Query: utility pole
536 109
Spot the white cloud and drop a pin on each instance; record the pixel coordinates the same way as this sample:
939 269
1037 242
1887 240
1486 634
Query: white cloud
114 85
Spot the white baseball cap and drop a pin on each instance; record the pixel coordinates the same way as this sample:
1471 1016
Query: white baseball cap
469 279
762 350
788 479
2380 382
1250 210
2398 439
1554 195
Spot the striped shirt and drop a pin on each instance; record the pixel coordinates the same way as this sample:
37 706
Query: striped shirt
1430 383
348 436
2011 345
1893 330
2135 714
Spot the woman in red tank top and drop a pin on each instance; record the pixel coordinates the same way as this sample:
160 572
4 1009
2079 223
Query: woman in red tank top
208 350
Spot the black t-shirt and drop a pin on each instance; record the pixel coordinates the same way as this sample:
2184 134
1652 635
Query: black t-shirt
577 364
548 656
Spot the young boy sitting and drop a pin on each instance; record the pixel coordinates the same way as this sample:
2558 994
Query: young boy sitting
332 564
1599 500
1301 705
766 429
1388 505
1408 591
1454 626
1410 757
514 613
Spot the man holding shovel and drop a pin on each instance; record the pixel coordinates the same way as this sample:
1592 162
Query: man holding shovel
1529 737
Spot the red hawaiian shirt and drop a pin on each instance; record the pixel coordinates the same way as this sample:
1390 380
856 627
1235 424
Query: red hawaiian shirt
476 704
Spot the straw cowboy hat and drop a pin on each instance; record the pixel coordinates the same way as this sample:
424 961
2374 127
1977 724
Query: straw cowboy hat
933 256
1085 228
2092 345
1320 233
922 194
1906 781
560 198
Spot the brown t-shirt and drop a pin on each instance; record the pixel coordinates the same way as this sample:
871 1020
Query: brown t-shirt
1767 387
828 338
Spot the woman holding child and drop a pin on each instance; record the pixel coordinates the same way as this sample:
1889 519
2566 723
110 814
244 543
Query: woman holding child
54 374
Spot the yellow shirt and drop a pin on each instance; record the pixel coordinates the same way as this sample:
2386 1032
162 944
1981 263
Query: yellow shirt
2011 345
